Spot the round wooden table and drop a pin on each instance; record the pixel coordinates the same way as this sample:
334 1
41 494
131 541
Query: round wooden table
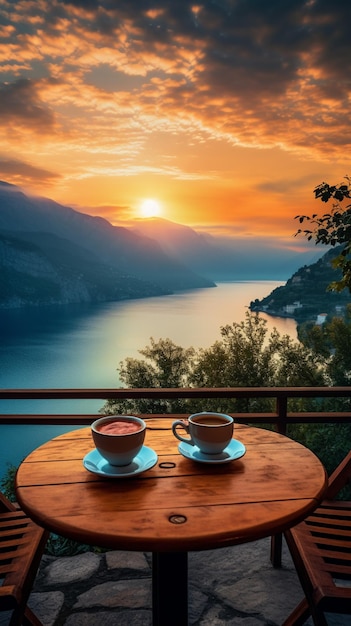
177 506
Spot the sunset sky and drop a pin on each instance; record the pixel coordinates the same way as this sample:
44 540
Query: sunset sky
225 113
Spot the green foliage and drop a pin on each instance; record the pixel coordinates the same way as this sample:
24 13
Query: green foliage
61 546
333 228
332 342
7 483
165 365
245 356
330 442
240 359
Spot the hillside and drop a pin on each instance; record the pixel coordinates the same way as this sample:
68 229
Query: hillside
40 268
50 253
305 294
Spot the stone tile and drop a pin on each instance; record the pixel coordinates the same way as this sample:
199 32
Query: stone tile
123 593
71 569
338 620
124 618
217 617
270 593
235 586
197 604
47 606
5 617
219 566
118 559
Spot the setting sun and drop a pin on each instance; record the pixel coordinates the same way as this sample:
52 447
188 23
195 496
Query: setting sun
150 208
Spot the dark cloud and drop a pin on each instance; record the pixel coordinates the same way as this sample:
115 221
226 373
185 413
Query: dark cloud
271 57
83 3
20 101
256 48
260 37
262 72
14 169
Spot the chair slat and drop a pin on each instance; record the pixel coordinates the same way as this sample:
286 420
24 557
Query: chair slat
21 546
321 550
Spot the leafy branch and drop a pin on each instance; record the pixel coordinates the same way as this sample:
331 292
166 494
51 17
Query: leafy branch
332 228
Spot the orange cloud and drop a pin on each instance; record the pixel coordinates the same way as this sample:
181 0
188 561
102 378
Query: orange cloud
204 103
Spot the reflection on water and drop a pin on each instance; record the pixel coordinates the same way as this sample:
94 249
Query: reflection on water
82 346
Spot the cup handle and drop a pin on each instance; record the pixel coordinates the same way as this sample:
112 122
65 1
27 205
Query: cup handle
185 427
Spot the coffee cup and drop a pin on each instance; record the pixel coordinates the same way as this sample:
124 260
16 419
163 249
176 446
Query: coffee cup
118 438
210 432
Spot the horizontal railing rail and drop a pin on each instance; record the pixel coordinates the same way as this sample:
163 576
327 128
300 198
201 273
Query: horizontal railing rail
279 417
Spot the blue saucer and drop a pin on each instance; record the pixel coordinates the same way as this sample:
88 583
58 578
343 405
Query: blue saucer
235 450
95 463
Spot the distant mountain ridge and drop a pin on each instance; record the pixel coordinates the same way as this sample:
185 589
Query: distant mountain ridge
51 254
54 254
224 258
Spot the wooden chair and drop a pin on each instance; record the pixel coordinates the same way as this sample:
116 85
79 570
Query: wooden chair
321 550
21 546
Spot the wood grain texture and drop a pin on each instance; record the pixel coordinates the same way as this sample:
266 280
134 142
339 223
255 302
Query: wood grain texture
275 485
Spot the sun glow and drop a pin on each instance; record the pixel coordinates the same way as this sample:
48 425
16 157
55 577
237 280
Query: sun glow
150 208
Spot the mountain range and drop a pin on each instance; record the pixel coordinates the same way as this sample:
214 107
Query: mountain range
224 258
52 254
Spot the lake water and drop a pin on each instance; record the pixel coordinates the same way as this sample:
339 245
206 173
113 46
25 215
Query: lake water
82 346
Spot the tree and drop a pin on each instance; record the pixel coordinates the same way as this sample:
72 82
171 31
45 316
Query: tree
165 365
333 228
247 357
332 342
244 357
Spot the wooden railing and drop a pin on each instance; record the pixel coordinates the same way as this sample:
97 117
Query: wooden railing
279 417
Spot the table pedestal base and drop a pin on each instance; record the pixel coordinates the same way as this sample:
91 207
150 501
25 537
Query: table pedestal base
170 588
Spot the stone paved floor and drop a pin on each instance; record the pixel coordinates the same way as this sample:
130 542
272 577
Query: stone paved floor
234 586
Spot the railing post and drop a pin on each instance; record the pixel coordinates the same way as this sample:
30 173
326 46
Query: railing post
277 540
282 410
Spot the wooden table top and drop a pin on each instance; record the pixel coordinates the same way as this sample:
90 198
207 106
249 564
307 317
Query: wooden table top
190 506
